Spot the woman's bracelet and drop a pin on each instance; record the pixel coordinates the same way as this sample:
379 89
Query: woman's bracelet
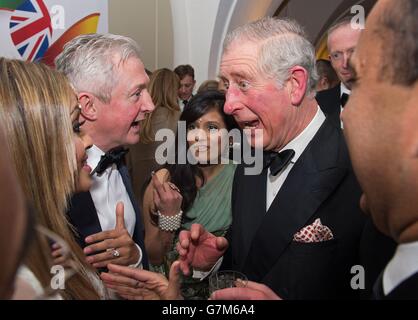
169 223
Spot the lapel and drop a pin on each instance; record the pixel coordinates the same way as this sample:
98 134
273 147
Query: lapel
329 101
83 216
249 208
139 228
123 170
313 178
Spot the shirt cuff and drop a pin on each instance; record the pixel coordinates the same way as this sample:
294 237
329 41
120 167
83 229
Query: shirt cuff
138 265
202 275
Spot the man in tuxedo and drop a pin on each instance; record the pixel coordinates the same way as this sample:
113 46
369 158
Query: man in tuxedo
297 227
342 41
380 126
111 86
185 73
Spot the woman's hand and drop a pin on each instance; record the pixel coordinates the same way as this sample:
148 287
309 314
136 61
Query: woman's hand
138 284
167 197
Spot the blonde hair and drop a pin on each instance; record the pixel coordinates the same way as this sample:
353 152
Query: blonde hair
35 106
163 88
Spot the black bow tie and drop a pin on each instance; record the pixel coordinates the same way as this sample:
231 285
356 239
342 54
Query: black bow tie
278 160
112 156
185 102
344 99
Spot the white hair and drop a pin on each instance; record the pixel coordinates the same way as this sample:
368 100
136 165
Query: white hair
89 61
283 45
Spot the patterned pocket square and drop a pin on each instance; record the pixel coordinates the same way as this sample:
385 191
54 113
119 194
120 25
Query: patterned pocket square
315 232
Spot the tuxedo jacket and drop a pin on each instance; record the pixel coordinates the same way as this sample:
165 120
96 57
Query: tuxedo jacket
406 290
322 185
83 216
330 102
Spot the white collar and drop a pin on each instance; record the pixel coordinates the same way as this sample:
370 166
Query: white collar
300 143
403 265
344 89
94 154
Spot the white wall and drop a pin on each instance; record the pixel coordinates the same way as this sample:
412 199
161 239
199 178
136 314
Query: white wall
199 27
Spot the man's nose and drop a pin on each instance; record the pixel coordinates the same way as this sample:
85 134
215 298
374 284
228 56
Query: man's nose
147 105
232 102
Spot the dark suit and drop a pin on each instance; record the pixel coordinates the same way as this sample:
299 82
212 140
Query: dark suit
406 290
330 103
83 216
322 185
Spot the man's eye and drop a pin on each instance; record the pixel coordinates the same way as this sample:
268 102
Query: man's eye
243 85
191 127
226 84
336 55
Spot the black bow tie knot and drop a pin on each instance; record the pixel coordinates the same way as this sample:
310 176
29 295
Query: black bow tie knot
278 160
112 156
344 99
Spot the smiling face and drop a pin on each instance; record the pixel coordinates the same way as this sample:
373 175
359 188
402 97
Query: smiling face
380 128
118 122
255 101
207 137
82 142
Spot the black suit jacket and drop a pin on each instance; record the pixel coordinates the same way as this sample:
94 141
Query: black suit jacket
83 216
406 290
330 103
321 185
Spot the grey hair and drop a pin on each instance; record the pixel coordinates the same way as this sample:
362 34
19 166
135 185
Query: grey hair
283 45
89 62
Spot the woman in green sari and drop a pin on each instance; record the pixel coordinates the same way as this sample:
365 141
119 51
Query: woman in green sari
196 192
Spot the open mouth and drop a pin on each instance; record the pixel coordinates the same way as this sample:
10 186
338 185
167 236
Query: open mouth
135 124
251 124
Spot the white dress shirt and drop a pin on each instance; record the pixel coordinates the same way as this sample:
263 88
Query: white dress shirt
403 265
343 90
106 191
181 104
298 144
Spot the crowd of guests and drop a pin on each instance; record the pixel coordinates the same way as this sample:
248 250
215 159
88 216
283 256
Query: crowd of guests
338 140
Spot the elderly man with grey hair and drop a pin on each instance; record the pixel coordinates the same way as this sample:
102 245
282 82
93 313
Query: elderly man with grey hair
110 82
297 227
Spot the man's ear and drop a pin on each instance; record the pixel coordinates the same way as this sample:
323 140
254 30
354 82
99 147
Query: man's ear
88 108
298 84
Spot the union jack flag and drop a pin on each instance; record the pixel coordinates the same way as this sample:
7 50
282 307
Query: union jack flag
30 29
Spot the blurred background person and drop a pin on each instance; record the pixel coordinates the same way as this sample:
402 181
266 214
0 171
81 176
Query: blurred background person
342 41
208 85
187 83
327 76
